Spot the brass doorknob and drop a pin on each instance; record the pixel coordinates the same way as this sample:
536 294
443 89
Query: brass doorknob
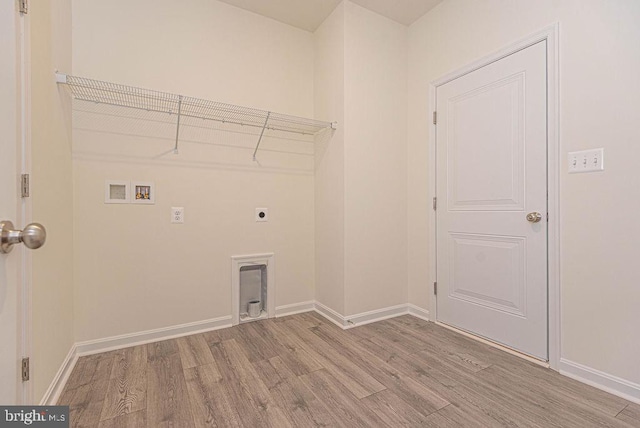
33 236
534 217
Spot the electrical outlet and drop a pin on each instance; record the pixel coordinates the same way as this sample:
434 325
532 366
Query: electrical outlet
177 214
586 161
262 214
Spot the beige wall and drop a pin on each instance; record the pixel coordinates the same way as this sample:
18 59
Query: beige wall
375 159
329 63
51 192
135 271
599 65
201 48
361 75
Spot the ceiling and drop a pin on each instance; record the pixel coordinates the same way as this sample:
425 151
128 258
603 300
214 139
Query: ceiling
309 14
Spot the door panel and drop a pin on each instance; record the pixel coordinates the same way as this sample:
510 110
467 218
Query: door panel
474 181
491 143
488 271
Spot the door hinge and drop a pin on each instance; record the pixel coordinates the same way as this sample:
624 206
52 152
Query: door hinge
24 185
435 203
24 6
435 288
25 369
435 118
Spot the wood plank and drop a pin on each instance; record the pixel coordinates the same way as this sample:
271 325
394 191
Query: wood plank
360 332
310 319
574 390
397 338
456 416
414 366
252 386
228 333
210 403
284 335
409 321
299 404
295 357
250 415
130 420
300 361
466 357
254 343
630 414
545 403
90 369
358 381
270 343
86 404
346 409
126 390
461 388
160 350
424 400
85 395
245 388
393 410
194 351
212 336
167 396
466 391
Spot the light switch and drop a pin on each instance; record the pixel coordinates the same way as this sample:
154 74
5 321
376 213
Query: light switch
586 161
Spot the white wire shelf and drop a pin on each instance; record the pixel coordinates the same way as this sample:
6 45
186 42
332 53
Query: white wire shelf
115 94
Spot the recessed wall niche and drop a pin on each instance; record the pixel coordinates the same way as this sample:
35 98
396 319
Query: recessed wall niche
129 192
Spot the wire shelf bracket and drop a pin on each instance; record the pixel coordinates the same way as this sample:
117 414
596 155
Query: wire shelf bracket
115 94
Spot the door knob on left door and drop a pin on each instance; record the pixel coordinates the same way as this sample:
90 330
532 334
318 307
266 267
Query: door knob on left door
33 236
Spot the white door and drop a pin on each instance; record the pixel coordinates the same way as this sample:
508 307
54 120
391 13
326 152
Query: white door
10 207
491 162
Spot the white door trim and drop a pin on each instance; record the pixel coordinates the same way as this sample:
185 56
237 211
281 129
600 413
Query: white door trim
549 34
25 216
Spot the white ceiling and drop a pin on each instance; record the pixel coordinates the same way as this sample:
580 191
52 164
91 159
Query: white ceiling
309 14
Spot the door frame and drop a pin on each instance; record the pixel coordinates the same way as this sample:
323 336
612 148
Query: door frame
17 34
25 311
550 34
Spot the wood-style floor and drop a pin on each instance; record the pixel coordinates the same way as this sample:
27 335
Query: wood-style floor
303 371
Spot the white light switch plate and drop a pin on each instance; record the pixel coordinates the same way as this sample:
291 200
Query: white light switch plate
177 215
586 161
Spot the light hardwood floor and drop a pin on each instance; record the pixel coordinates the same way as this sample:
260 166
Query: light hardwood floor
303 371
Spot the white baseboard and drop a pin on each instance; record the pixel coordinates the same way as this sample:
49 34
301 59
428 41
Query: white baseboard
52 394
295 308
139 338
375 315
418 312
361 318
601 380
330 314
